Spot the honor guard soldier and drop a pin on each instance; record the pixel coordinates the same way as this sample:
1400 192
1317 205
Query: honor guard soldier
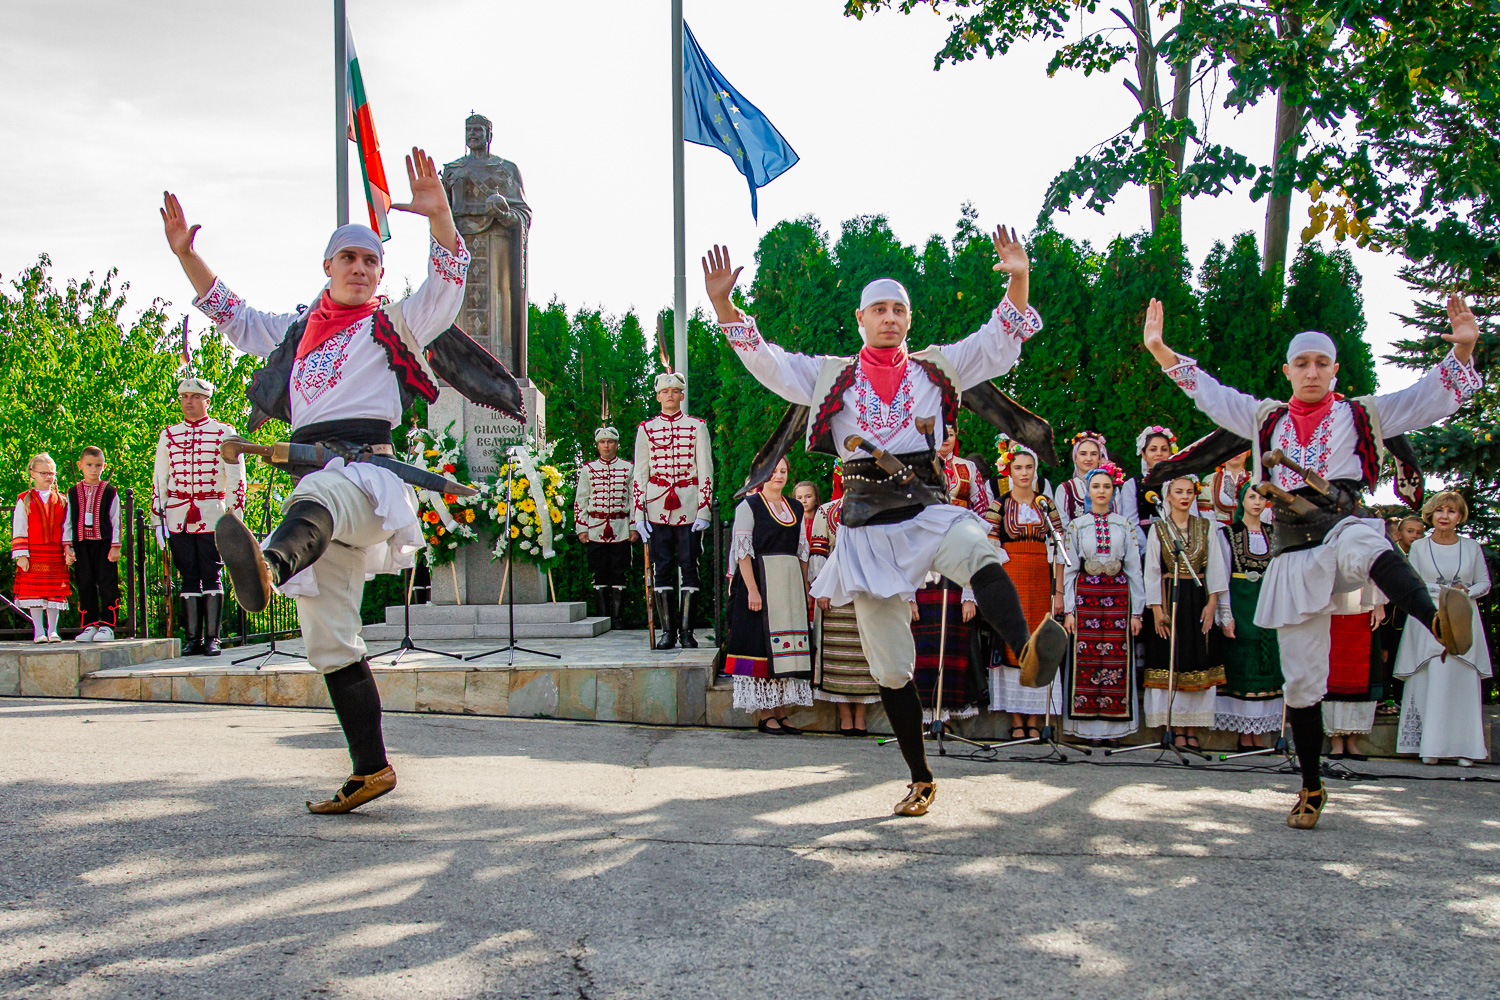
193 488
603 520
671 500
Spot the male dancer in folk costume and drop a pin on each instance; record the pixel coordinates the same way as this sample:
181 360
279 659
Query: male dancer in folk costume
1325 545
672 498
193 488
602 506
341 374
897 525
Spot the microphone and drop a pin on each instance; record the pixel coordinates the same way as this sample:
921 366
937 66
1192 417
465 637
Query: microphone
1153 498
1045 502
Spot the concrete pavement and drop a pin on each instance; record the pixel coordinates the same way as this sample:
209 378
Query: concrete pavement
160 850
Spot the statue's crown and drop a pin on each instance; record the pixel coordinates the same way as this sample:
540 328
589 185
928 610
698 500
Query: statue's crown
478 119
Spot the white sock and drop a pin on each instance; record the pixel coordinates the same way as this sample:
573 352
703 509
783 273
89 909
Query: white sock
53 614
36 623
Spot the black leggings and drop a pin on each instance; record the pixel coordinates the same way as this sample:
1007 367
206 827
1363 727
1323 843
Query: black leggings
356 701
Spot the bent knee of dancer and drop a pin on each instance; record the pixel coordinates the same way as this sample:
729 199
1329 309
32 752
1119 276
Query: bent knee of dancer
1356 549
964 551
1304 688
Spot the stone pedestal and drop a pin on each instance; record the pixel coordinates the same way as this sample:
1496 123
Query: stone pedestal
474 578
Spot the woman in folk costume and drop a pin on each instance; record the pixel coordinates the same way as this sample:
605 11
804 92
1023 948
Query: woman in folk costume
1072 495
1323 547
768 653
1354 671
1249 701
943 598
1441 714
1104 595
896 524
1220 493
1024 522
841 673
41 543
341 374
1152 444
1185 686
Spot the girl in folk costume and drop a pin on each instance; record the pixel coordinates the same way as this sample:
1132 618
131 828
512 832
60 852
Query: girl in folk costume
340 375
1220 494
1073 495
768 652
1354 671
1152 444
1249 701
1440 708
1103 595
41 543
842 673
1323 548
1023 524
896 526
942 598
806 494
1185 702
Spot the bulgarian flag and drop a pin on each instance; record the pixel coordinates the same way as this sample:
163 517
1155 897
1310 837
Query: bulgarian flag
362 131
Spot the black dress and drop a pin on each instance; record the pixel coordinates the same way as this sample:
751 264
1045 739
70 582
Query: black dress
767 648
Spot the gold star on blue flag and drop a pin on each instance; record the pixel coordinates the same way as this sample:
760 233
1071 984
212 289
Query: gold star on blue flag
755 146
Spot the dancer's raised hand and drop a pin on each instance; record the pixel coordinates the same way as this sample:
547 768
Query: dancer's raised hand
1151 335
719 276
428 198
179 234
1465 327
1011 251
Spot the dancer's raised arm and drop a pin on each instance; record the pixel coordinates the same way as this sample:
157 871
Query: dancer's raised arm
180 238
791 376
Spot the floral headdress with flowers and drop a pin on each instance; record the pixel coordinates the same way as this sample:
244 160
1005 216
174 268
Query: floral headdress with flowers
1007 452
1080 438
1144 438
1114 472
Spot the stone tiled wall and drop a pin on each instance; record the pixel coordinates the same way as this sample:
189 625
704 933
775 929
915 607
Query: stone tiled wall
55 671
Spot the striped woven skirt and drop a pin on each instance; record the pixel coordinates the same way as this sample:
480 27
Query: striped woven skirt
842 673
932 601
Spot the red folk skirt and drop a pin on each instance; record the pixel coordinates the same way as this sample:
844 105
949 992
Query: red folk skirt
47 578
1102 679
1032 574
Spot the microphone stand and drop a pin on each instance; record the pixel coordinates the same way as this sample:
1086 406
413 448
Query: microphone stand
264 658
1168 736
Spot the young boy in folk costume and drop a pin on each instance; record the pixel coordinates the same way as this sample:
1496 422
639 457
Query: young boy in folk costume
602 517
1325 545
672 499
341 374
193 486
94 520
897 525
41 544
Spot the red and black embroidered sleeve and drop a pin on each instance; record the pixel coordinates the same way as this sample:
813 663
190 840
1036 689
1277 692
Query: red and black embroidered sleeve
404 364
948 389
831 405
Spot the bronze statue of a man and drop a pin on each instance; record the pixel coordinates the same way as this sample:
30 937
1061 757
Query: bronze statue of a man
490 210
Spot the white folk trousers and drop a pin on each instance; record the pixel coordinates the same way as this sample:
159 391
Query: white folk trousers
885 622
330 618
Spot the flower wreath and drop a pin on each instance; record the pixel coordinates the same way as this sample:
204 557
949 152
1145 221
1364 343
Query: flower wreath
538 504
448 522
1083 436
1008 450
1151 432
1115 473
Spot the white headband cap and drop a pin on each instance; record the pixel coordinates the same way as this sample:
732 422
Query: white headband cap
670 380
354 235
884 290
606 434
1314 342
193 383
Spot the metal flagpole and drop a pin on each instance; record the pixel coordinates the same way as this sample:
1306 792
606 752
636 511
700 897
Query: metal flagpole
340 112
679 217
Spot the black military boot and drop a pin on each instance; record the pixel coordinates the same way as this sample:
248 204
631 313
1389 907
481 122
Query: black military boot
617 606
685 630
302 537
601 600
192 623
213 614
666 611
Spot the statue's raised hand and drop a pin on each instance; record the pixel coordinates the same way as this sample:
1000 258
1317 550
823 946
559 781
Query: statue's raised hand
179 234
427 195
1012 253
719 276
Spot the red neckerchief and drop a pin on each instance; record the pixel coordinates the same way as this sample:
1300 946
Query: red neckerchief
885 367
329 318
1307 416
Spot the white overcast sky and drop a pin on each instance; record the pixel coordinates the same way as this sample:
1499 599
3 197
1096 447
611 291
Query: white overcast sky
103 104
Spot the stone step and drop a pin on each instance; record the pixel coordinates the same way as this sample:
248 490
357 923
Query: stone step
560 612
53 670
581 628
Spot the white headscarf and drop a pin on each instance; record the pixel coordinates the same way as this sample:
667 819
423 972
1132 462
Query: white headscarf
354 235
1313 341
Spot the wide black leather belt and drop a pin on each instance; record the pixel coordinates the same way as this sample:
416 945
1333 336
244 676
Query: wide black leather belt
872 495
1294 531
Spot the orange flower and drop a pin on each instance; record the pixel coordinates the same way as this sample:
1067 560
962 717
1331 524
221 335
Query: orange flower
449 467
449 498
430 516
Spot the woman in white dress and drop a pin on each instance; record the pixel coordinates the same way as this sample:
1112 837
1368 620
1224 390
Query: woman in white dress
1440 707
1103 595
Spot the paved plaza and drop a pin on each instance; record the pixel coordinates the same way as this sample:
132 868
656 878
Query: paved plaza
162 850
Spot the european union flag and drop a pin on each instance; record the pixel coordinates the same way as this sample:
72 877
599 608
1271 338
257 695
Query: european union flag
715 114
